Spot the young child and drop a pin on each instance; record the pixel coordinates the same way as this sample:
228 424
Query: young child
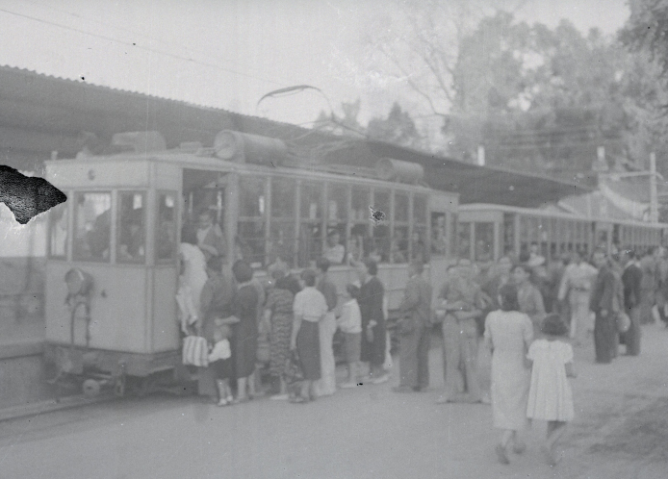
550 395
350 323
221 362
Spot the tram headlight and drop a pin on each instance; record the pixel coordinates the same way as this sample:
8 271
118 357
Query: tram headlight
78 282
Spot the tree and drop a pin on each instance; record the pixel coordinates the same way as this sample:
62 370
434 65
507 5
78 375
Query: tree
647 30
345 124
398 128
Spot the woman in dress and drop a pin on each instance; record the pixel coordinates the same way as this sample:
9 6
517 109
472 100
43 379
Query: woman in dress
373 320
278 312
192 279
508 333
245 332
309 308
528 295
217 303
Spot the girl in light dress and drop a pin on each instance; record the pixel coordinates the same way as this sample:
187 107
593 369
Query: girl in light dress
550 395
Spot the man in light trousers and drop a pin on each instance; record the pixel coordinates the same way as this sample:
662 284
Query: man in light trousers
326 385
576 283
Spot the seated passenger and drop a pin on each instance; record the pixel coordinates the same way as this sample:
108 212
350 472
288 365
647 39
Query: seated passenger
98 237
334 251
132 237
210 237
418 251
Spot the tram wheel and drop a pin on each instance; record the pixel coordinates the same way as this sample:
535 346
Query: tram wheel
91 388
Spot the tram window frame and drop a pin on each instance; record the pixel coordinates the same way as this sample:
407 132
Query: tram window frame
508 234
120 258
310 223
63 212
76 256
255 243
159 227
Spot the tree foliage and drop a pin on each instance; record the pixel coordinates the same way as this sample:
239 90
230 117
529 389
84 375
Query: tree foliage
398 128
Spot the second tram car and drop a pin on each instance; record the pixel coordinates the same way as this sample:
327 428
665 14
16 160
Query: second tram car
486 232
112 266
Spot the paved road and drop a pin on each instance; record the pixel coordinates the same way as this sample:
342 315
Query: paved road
621 431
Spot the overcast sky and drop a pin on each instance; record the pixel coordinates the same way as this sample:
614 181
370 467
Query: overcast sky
228 53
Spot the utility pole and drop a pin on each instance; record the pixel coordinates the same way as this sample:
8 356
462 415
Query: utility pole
653 196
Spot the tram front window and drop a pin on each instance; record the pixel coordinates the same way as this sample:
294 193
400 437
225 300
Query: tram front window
92 230
252 225
131 228
166 231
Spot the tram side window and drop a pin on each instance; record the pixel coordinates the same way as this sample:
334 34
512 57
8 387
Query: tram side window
439 234
58 223
508 234
358 243
337 216
464 240
92 230
419 244
131 240
282 237
381 226
400 237
311 235
484 241
251 225
166 229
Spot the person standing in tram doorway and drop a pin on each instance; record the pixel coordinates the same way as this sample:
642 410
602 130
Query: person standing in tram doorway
374 330
414 330
326 385
576 283
632 279
210 237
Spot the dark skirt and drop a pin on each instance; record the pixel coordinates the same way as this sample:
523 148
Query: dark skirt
374 352
244 349
308 348
222 368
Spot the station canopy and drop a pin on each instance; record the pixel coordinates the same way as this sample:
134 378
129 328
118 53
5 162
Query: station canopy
474 183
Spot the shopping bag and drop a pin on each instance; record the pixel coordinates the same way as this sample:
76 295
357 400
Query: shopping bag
195 351
623 322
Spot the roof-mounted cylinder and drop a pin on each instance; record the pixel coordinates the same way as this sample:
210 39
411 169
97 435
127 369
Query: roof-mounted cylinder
396 170
138 141
245 147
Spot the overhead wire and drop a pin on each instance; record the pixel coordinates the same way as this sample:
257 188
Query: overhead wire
139 46
148 37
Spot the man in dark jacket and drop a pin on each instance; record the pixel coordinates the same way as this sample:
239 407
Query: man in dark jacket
632 279
606 301
414 329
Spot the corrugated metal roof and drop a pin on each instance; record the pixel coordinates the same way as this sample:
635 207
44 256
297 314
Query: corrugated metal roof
41 113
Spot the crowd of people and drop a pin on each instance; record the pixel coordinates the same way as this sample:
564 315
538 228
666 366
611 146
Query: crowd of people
524 311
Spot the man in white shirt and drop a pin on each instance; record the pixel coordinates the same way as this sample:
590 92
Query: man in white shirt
210 238
334 251
576 283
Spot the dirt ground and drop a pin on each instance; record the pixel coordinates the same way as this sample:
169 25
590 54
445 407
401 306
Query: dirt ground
620 432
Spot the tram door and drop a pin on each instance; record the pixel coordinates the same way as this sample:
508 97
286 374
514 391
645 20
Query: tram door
603 233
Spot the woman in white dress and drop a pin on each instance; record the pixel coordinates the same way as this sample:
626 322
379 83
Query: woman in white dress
550 396
192 279
508 334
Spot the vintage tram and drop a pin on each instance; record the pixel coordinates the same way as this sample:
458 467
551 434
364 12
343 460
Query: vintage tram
486 232
112 249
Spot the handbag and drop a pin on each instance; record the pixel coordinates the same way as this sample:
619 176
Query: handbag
195 351
623 322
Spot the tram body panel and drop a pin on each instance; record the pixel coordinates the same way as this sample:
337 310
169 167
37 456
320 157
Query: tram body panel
109 172
117 309
165 330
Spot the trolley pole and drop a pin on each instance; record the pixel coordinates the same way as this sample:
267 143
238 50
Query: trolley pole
653 196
